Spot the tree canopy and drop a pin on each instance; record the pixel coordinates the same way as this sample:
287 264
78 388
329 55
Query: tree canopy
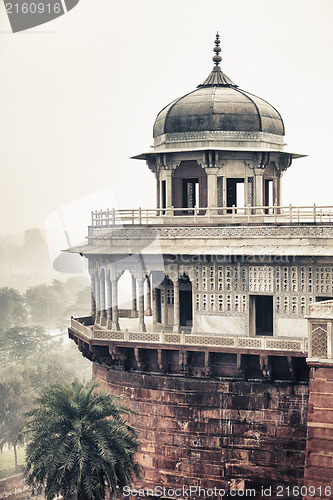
18 342
12 308
81 443
15 401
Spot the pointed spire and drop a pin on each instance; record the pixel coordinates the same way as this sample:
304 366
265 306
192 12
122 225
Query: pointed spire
217 77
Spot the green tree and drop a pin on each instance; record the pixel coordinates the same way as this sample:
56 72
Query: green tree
12 308
15 401
18 342
81 444
82 304
25 374
52 304
46 303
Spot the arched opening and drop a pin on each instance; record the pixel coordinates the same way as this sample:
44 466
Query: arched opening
185 302
189 186
127 294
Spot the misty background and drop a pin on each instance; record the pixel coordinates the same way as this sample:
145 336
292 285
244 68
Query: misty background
79 96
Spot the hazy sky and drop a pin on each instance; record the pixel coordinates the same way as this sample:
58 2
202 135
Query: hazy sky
79 95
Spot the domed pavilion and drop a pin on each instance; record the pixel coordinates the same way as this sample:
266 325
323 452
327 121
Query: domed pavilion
218 146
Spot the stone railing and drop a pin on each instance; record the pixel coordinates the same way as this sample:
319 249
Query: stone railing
321 331
79 326
208 339
243 215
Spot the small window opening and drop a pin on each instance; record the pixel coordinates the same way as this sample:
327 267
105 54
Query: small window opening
163 194
235 192
268 194
261 314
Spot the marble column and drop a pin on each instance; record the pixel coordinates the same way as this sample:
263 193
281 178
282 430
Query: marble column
115 320
97 299
211 187
134 302
148 311
108 302
259 190
176 310
164 306
246 191
142 326
168 177
102 300
154 307
278 189
158 194
93 301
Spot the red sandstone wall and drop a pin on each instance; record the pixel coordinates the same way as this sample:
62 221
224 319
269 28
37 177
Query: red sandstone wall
216 433
319 448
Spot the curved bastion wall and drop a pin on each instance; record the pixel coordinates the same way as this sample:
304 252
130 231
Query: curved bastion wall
230 434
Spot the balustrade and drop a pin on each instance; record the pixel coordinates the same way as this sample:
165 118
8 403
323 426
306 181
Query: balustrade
270 214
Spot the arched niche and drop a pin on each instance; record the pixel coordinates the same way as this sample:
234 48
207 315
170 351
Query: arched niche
189 185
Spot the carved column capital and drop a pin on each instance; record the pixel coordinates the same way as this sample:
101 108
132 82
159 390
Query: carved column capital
114 274
139 274
172 271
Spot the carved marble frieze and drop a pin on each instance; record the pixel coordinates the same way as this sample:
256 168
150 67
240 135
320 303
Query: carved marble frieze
213 232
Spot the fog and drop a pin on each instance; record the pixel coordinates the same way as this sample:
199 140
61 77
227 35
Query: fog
79 96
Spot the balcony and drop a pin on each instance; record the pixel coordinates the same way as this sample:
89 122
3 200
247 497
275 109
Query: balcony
249 231
162 352
215 215
157 335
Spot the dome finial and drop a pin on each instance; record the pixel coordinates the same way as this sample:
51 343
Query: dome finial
217 49
217 77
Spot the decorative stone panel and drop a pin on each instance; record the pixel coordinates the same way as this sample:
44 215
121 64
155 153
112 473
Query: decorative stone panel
143 337
320 332
251 343
319 341
209 340
172 338
287 345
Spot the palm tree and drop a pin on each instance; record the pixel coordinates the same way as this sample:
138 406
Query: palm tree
81 446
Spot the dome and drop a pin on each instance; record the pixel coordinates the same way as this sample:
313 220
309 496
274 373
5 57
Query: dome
220 108
219 112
